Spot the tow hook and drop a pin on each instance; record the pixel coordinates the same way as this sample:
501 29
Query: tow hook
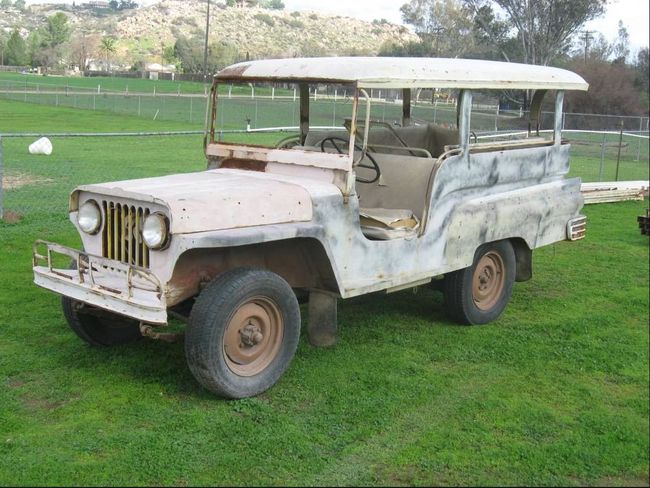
150 332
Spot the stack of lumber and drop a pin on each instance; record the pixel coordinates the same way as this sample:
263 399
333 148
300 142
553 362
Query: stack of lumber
614 191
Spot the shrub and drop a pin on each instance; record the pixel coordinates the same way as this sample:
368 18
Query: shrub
266 18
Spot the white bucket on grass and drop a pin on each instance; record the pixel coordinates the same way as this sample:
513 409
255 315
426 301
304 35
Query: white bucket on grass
42 146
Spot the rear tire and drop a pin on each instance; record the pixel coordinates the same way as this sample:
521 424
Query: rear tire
243 333
480 293
105 331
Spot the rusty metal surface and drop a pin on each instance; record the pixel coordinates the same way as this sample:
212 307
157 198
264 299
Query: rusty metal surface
110 285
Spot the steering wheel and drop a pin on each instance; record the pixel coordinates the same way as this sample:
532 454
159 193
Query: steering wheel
288 142
374 167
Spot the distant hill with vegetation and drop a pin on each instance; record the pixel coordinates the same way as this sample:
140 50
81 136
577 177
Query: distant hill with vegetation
171 32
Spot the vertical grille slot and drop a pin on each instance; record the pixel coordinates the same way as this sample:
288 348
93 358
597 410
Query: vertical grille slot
121 238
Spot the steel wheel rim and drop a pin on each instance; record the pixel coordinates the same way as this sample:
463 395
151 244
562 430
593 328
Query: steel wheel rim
253 336
488 281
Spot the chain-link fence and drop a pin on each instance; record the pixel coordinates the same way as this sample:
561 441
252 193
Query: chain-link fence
604 147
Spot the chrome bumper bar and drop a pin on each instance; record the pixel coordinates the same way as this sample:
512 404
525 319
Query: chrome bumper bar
105 283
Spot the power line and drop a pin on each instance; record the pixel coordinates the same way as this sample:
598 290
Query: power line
205 48
587 36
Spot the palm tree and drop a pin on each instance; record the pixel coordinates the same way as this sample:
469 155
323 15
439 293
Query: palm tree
108 47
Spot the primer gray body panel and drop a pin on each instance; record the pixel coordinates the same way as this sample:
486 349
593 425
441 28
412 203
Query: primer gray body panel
483 198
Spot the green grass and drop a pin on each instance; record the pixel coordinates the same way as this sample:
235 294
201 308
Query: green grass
553 393
34 82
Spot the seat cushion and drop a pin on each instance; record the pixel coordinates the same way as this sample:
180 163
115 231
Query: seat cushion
385 223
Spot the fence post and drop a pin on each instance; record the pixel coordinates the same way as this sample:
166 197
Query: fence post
638 152
435 110
618 158
1 178
602 158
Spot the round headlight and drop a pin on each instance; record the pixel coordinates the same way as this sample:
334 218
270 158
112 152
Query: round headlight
89 217
155 231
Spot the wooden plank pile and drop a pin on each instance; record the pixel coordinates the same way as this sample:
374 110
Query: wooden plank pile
644 222
614 191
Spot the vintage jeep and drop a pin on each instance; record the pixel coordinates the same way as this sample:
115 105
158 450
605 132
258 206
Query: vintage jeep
376 198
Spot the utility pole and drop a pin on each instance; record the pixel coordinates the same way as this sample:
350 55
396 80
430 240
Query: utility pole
587 36
205 48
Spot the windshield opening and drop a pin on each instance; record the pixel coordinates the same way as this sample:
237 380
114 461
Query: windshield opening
268 114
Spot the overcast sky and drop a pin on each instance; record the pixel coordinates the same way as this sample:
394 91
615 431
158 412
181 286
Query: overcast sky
633 13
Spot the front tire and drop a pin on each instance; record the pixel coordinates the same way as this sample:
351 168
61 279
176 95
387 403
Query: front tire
99 328
242 333
480 293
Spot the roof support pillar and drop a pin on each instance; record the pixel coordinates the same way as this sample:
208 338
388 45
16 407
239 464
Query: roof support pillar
304 112
406 107
464 119
559 117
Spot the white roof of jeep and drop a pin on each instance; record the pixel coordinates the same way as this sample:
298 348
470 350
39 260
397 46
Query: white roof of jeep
381 72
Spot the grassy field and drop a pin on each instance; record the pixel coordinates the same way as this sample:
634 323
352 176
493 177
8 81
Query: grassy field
553 393
34 82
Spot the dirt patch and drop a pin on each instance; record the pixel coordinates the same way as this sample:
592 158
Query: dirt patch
14 383
13 181
35 403
10 217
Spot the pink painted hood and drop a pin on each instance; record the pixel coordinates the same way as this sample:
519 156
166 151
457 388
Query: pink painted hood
217 199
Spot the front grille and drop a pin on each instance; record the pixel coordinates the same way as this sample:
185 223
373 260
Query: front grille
121 237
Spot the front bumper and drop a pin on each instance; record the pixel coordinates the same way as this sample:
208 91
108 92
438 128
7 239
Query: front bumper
105 283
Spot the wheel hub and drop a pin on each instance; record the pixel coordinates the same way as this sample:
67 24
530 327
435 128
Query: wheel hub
489 281
251 335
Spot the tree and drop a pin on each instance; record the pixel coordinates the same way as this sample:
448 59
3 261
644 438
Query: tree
3 48
190 54
621 46
56 31
445 26
34 44
544 27
108 48
642 69
6 3
492 36
611 90
84 47
16 54
19 4
274 4
599 49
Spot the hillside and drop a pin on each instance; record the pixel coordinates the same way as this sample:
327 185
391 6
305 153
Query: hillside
258 32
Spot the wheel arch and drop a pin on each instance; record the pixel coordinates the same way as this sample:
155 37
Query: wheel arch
303 262
523 259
